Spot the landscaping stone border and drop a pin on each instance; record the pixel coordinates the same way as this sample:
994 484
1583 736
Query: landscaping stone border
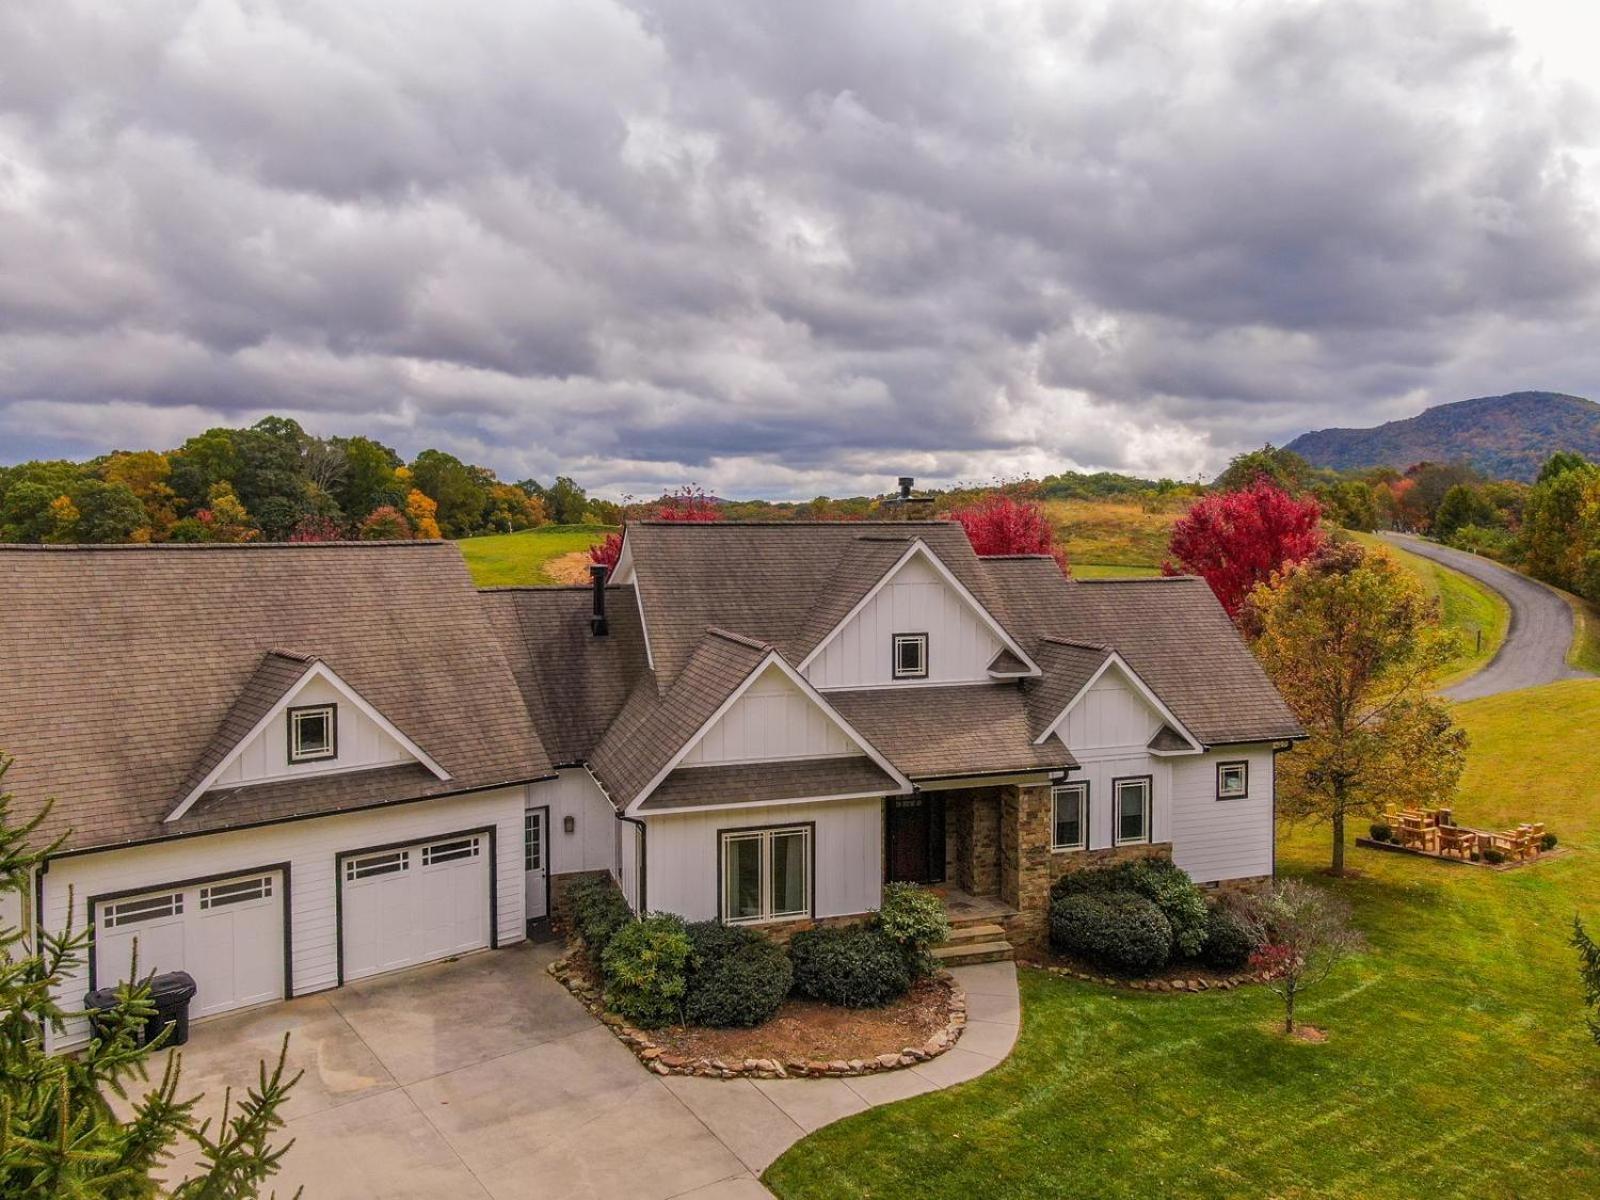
663 1063
1195 984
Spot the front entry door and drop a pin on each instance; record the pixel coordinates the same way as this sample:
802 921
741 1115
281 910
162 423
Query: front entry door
915 837
535 860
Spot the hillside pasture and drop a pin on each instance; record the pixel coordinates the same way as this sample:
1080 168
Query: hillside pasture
530 556
1107 539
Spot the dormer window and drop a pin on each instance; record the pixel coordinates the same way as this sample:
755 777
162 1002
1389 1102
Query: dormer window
910 656
313 733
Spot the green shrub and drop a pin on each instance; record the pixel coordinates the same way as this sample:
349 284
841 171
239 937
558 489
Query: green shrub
1381 832
598 911
915 919
858 966
1158 880
1119 931
1230 939
1493 855
1549 842
736 976
645 966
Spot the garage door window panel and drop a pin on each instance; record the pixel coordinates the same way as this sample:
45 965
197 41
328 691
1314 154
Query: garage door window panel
143 908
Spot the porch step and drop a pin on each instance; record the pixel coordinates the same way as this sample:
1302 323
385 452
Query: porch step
967 954
978 931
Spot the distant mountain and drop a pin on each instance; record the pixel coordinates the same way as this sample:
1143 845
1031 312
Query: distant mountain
1505 437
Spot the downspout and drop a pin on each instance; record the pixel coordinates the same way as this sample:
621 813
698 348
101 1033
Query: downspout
1277 749
643 855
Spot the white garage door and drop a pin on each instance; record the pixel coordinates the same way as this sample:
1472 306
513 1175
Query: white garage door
414 904
226 933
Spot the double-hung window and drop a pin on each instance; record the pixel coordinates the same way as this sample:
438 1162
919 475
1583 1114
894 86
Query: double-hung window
1069 825
910 656
313 733
1132 809
766 874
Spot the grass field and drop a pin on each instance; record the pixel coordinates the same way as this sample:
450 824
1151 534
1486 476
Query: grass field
1457 1062
498 559
1107 539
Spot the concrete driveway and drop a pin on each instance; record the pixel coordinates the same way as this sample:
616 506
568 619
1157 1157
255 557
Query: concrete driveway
1540 634
484 1078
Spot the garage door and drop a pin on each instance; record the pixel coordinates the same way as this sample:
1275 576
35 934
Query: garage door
413 904
227 933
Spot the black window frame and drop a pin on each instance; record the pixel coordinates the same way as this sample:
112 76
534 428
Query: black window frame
290 721
1149 837
1081 786
1243 765
895 642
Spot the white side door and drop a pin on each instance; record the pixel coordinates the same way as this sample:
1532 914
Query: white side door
414 904
536 860
227 934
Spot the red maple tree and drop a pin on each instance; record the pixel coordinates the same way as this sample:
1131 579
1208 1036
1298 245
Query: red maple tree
1001 524
689 505
1236 540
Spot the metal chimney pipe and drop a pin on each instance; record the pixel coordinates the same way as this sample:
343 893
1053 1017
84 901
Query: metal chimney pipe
905 487
597 580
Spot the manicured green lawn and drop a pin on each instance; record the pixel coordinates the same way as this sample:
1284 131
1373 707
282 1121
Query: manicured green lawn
1112 571
1480 615
1457 1062
497 559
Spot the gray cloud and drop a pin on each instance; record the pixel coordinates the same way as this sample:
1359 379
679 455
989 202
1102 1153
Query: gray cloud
782 249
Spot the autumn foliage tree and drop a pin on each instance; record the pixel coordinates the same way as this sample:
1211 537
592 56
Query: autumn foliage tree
1000 524
1238 540
1355 648
689 505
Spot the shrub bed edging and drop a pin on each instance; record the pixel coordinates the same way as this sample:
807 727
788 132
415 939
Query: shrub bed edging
1196 984
661 1062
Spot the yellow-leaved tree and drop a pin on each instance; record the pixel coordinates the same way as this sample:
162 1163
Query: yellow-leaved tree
423 513
1355 647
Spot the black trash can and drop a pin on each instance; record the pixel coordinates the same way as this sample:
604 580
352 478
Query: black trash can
170 993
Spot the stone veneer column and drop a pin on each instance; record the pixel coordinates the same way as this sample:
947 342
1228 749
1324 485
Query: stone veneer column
982 877
1025 864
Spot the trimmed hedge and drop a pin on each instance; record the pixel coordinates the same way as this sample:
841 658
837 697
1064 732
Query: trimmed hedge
858 966
1158 880
1118 931
1230 939
915 919
645 966
1381 832
598 911
736 977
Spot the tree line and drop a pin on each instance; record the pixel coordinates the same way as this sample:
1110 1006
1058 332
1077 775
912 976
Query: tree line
273 481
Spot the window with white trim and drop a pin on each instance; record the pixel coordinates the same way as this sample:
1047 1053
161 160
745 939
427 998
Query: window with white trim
532 840
369 865
1233 781
313 733
766 874
452 851
1132 810
1069 825
910 656
239 891
145 908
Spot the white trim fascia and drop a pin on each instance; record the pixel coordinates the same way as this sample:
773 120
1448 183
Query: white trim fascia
896 684
1115 659
623 572
1028 778
317 670
1174 753
772 658
918 546
739 804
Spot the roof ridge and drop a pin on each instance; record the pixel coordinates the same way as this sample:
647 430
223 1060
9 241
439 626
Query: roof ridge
299 656
1145 579
153 547
738 638
1057 640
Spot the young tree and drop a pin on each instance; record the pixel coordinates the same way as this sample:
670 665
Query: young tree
1001 524
1303 933
385 523
1355 647
1589 973
1464 504
59 1136
1237 540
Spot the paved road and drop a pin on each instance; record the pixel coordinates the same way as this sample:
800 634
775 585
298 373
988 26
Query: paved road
1535 649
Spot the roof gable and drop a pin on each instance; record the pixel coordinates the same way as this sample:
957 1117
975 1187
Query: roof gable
284 680
1118 721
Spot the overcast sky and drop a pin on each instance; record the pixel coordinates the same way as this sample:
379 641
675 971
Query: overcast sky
789 249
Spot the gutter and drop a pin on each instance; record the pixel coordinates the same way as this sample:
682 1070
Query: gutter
644 856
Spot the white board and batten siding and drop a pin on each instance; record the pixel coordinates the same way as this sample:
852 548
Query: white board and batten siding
309 848
362 743
773 719
1108 730
1222 839
592 844
916 599
847 852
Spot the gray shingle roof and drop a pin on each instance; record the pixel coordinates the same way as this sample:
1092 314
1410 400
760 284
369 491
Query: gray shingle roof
746 783
941 732
1171 631
1067 666
122 664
